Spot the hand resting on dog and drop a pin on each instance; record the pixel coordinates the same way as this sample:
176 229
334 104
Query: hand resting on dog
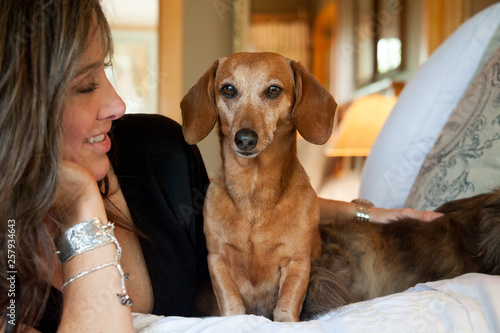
332 210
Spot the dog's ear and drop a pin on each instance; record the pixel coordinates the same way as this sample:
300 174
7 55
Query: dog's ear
199 111
314 108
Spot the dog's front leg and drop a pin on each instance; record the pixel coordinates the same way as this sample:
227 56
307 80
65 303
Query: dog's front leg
293 286
227 293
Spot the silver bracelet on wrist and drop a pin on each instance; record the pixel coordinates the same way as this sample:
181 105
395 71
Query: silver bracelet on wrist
124 297
86 236
77 276
83 237
363 208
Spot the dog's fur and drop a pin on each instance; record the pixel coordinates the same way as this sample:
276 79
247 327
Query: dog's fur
363 260
261 213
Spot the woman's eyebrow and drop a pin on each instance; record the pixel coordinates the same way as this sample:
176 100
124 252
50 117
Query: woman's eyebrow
89 67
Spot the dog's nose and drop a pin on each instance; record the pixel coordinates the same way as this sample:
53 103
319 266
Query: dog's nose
246 139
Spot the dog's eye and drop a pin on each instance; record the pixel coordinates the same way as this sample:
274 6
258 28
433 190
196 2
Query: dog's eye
228 90
274 91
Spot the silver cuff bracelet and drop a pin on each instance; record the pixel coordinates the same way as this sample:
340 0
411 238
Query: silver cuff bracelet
363 208
85 236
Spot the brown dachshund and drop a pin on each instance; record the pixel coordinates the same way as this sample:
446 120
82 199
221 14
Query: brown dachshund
363 260
261 213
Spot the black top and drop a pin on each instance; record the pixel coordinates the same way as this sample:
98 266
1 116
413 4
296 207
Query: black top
164 183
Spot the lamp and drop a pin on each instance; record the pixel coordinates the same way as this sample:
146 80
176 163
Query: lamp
360 126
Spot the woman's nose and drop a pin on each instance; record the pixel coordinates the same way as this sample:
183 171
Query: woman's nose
113 107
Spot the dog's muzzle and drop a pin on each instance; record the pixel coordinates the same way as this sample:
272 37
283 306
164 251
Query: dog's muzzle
246 140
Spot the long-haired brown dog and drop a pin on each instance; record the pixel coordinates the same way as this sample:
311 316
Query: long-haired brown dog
363 260
261 213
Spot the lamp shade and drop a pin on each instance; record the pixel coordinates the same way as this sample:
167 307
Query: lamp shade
360 126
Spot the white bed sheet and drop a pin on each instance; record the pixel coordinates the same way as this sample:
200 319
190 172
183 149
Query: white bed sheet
468 303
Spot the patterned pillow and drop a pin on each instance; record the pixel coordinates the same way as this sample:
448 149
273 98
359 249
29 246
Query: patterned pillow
465 160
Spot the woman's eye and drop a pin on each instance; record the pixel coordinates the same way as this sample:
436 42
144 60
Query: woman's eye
88 88
228 91
274 91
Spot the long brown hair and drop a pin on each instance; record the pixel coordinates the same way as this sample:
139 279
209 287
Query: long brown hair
41 42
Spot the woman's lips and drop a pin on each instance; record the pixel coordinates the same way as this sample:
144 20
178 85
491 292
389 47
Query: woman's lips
96 139
99 143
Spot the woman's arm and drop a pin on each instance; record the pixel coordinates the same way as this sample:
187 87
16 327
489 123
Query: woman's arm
332 210
91 302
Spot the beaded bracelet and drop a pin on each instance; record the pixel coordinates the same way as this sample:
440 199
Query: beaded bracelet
77 276
363 208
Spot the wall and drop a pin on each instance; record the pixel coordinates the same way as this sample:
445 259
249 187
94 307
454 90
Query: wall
443 17
131 12
207 36
134 74
478 5
171 41
416 44
192 34
197 32
284 6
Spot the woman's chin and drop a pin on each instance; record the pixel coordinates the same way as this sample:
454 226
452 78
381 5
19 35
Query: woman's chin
99 168
97 164
101 172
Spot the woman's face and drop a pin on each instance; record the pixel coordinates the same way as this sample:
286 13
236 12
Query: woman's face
90 106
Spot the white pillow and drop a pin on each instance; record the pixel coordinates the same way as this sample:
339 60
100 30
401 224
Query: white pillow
465 159
422 109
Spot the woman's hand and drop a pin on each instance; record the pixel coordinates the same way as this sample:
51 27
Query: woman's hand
77 196
332 210
383 215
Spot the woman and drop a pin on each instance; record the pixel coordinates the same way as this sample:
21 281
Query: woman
57 110
45 45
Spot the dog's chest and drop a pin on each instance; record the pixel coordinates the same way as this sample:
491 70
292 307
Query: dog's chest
254 261
257 241
261 226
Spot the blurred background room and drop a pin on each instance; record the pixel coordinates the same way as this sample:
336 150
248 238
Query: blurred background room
361 51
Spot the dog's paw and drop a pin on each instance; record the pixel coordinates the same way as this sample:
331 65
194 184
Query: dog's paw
233 310
283 315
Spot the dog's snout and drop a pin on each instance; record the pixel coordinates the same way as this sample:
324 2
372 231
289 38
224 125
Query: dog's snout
246 139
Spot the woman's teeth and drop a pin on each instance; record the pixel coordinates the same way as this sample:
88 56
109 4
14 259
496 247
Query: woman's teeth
94 139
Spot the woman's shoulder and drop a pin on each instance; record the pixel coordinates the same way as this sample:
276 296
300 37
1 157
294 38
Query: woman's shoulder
150 133
149 126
